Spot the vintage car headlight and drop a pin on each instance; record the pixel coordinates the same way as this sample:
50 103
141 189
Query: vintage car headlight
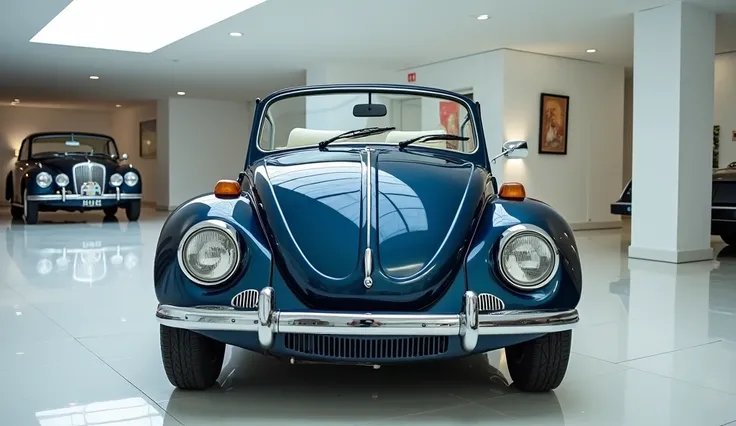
527 257
209 253
62 180
116 179
43 180
131 178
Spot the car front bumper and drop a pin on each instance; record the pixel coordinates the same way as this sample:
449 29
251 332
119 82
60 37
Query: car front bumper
267 321
67 199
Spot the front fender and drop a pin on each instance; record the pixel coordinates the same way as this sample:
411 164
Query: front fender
174 288
563 292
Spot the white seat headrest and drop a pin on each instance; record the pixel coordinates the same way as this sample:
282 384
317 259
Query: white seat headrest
304 137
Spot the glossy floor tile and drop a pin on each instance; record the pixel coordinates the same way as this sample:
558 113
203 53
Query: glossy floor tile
656 346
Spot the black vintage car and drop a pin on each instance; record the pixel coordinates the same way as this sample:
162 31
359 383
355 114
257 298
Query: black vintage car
723 213
72 171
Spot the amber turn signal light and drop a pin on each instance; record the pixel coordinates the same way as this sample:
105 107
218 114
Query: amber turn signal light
512 191
227 189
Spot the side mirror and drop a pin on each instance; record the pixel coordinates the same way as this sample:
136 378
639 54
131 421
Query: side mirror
515 149
124 157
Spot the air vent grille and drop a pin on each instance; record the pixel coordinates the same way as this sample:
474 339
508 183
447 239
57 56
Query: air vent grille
247 299
490 303
357 348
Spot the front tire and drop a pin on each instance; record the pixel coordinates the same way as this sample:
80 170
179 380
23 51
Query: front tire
16 212
539 365
30 209
192 361
729 238
133 210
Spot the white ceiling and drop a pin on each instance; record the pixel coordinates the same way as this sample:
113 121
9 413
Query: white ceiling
283 37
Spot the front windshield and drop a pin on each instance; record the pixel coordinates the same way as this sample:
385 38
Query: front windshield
306 120
70 143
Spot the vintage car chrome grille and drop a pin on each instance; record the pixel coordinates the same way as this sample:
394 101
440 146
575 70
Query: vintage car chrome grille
247 299
88 172
489 303
367 348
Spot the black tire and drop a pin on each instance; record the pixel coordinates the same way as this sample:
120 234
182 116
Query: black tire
30 210
729 238
110 211
539 365
16 212
133 210
191 361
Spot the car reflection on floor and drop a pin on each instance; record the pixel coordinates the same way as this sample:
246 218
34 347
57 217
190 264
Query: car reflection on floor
74 256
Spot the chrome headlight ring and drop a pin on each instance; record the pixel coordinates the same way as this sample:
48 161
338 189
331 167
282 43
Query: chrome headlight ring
218 226
520 230
131 178
44 180
116 180
62 180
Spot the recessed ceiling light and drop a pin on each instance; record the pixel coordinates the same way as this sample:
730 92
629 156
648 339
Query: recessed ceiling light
236 34
94 77
16 100
181 93
591 51
118 106
14 103
482 17
118 22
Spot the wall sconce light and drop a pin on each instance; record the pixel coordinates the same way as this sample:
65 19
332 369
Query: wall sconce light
15 152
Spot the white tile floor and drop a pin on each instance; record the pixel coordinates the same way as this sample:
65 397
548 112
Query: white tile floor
79 346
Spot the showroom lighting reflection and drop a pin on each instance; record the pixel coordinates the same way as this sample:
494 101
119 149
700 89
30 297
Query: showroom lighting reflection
482 17
117 23
591 51
118 106
181 93
236 34
94 77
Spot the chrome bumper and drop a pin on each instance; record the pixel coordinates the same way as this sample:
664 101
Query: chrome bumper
268 322
76 197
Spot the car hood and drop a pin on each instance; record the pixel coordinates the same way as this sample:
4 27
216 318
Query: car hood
423 210
65 164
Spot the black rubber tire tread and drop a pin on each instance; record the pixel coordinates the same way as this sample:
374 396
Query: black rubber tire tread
539 365
16 212
729 238
133 211
191 361
31 215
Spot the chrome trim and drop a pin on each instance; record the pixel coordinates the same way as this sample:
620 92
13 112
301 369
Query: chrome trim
512 232
209 224
63 195
247 299
90 166
368 256
268 322
75 197
488 302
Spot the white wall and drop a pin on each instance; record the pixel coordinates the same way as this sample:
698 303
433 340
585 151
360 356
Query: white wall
200 141
126 131
17 122
725 105
582 184
508 84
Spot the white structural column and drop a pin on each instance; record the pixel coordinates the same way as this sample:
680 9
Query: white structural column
674 53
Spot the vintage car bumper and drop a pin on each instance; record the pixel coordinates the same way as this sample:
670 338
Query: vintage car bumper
65 199
267 321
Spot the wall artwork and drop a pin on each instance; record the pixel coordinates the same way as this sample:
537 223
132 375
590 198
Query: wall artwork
450 120
553 120
716 143
148 139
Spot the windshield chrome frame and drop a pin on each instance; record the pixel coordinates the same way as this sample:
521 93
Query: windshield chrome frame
32 139
472 108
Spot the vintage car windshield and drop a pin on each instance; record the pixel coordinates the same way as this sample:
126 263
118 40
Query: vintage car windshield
70 144
306 120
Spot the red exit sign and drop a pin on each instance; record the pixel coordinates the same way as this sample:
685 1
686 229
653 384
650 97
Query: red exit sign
411 77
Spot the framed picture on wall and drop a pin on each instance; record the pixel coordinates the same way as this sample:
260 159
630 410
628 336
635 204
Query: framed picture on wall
147 139
553 121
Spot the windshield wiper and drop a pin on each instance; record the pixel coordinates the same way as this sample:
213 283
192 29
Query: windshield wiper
427 138
357 133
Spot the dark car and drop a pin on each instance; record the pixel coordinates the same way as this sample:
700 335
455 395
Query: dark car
723 210
388 243
72 172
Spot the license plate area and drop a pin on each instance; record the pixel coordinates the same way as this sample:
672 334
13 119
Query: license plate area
91 203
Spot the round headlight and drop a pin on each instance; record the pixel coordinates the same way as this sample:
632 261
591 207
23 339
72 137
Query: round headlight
116 180
209 253
43 179
527 257
62 180
131 178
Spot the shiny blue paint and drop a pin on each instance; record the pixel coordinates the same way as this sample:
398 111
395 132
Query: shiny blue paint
435 229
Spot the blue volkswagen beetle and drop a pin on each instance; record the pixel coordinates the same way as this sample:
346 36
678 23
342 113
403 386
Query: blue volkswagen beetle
72 172
367 228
